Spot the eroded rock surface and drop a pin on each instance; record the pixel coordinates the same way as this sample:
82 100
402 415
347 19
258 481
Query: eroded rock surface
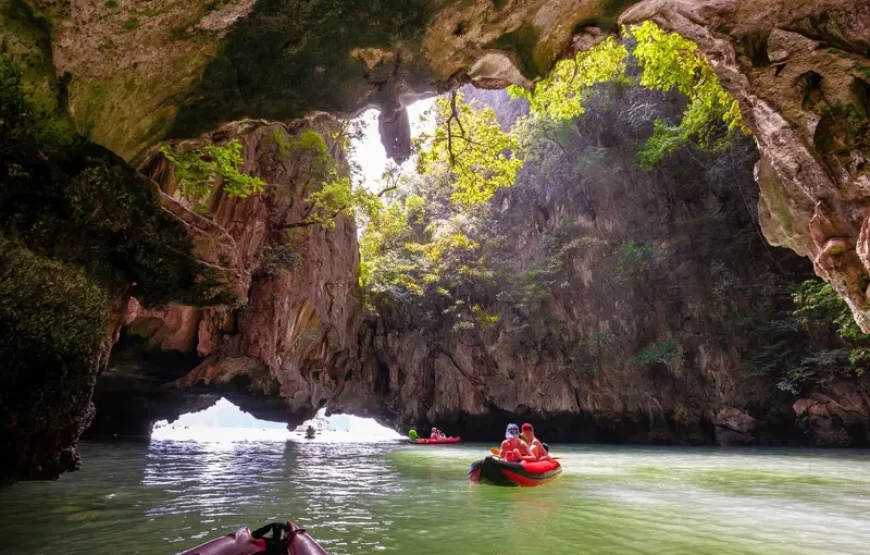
602 350
597 351
281 353
800 72
127 75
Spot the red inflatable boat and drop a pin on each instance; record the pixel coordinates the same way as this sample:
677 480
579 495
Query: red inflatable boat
285 539
497 472
422 441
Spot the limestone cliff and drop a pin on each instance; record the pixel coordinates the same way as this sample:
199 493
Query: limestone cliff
631 307
281 352
127 75
800 72
139 74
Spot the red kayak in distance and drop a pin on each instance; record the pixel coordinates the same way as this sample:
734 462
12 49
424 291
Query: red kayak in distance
285 539
497 472
422 441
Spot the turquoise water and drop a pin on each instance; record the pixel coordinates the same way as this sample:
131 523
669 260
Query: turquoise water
164 497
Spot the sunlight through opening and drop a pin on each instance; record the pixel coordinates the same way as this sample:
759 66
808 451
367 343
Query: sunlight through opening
225 422
369 153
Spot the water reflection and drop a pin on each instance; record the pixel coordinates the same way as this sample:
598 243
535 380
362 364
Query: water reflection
214 479
319 485
363 498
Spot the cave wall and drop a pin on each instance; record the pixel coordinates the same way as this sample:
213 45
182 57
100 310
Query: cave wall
125 76
80 231
799 71
280 352
611 347
138 74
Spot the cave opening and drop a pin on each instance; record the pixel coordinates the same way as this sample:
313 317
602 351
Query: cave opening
226 422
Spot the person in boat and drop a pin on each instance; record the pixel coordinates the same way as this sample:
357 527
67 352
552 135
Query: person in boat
413 434
536 448
433 434
514 449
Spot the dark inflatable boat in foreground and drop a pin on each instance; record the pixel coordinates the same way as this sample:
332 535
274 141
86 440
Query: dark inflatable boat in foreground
272 539
497 472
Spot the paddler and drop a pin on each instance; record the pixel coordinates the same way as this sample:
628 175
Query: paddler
513 449
536 448
413 434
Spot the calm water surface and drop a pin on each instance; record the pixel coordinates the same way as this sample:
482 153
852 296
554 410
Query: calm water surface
164 497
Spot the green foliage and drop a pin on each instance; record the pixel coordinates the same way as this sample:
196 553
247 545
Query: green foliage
664 352
332 192
817 367
560 95
483 318
308 141
419 242
797 348
333 199
470 147
339 197
197 171
668 61
632 259
817 301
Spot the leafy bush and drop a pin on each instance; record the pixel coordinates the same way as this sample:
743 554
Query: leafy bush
664 352
667 61
560 94
632 259
818 302
469 144
198 170
798 348
670 61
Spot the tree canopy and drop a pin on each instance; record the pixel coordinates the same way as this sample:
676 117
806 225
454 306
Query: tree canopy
469 145
197 171
667 62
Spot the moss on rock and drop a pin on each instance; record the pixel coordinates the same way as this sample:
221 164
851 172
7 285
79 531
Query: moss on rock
311 41
52 334
78 228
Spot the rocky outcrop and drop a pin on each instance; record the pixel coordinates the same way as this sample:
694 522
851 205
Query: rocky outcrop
632 304
837 416
144 73
79 231
127 75
281 352
800 74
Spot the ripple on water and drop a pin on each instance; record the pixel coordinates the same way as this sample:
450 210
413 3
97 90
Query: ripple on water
365 498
